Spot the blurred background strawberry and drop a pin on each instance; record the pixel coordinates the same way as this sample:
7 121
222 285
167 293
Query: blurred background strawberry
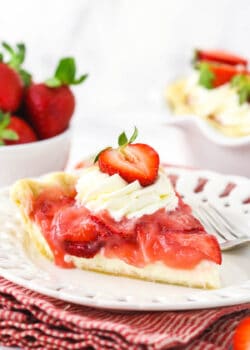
14 130
49 106
13 78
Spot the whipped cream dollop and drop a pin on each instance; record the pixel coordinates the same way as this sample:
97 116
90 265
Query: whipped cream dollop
222 102
99 191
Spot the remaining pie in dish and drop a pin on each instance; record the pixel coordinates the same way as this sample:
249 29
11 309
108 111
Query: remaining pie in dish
217 90
120 216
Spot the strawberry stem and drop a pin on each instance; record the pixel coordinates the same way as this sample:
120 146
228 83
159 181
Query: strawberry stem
65 74
123 141
134 135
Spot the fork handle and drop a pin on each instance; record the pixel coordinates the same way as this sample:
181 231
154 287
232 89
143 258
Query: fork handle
234 243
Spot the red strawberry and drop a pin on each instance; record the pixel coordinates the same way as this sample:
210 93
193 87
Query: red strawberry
212 75
14 130
11 88
76 225
12 79
223 73
82 249
49 109
220 57
131 161
241 339
172 247
50 105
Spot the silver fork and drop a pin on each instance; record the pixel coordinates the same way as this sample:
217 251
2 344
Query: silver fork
230 232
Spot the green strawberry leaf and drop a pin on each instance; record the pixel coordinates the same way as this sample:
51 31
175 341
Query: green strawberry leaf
80 80
4 120
134 136
122 139
66 70
16 57
65 74
241 83
206 76
21 52
6 134
243 96
8 48
16 60
10 135
26 77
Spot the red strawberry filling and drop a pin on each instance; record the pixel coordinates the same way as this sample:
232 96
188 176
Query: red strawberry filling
175 238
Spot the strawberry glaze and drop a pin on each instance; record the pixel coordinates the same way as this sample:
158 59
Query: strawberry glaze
175 238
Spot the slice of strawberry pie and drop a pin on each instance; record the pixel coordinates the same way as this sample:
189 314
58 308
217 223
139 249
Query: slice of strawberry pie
120 216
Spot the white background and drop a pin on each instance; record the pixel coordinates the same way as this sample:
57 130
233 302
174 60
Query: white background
131 49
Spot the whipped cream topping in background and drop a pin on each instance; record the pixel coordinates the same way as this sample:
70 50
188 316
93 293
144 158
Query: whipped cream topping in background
223 102
98 191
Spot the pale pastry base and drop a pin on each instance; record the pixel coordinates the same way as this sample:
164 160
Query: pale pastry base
204 275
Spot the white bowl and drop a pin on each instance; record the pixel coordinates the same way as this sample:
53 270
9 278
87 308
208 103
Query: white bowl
210 149
33 159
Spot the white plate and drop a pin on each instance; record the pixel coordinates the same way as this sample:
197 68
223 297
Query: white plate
26 267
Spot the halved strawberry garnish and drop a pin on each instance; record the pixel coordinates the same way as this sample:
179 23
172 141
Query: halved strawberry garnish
131 161
241 339
213 75
223 73
220 57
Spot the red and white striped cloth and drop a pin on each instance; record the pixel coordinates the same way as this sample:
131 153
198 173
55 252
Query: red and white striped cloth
32 321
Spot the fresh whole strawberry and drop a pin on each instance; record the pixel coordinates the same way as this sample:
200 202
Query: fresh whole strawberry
12 78
132 162
14 130
50 105
241 339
